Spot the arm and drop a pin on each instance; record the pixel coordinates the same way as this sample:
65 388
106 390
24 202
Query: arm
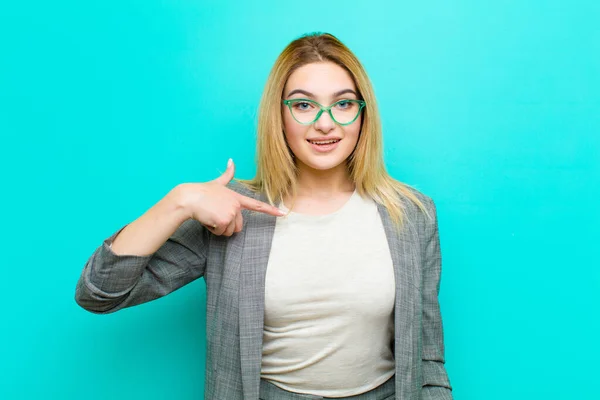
154 255
436 385
165 248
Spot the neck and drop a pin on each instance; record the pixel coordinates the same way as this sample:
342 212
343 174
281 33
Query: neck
323 183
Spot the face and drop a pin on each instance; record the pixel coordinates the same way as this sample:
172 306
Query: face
324 144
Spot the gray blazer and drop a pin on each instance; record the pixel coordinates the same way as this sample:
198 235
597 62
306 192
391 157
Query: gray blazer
234 270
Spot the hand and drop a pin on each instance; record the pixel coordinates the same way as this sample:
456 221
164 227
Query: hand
219 208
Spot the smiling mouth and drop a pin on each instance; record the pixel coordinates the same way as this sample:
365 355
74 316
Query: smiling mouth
323 142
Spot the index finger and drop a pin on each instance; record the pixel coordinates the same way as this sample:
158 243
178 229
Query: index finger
257 205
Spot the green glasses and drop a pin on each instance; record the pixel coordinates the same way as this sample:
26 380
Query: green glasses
306 111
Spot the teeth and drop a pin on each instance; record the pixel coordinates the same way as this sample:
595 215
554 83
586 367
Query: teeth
324 141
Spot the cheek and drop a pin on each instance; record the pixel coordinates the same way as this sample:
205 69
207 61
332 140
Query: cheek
294 132
353 132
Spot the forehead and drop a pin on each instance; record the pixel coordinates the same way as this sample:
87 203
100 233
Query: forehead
320 78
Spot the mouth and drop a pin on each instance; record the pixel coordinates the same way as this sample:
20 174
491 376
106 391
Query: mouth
324 146
320 142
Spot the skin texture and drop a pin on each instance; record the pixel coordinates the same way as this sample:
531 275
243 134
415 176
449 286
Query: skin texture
324 183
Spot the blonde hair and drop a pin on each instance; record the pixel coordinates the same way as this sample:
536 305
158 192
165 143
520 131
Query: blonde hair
276 170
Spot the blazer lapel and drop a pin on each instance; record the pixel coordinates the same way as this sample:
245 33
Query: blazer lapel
257 247
403 252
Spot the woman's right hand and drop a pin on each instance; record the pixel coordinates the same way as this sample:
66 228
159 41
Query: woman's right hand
219 208
212 203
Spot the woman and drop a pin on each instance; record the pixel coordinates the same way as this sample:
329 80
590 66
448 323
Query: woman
333 293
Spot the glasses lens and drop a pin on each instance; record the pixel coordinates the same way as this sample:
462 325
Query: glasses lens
345 111
303 111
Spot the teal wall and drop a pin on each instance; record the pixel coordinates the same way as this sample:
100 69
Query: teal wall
492 109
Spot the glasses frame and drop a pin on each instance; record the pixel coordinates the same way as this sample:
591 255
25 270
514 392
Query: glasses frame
289 102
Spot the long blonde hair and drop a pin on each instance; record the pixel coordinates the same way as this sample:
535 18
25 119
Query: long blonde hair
276 174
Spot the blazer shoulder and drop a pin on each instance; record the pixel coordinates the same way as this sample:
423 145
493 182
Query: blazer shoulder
425 200
241 188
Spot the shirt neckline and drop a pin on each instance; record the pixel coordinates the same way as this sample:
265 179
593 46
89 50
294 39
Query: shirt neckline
320 216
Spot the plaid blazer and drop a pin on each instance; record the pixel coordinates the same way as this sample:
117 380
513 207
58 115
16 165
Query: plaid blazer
234 269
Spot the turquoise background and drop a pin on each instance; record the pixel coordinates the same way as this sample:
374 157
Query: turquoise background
491 108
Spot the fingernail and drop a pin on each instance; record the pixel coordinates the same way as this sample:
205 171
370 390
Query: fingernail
281 212
229 162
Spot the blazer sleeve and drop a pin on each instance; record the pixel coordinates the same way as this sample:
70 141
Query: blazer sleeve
436 385
111 282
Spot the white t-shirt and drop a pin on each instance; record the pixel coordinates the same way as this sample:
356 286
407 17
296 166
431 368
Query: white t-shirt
329 302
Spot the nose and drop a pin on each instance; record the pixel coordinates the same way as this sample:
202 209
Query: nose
324 123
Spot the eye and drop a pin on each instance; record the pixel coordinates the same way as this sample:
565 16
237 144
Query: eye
302 105
345 104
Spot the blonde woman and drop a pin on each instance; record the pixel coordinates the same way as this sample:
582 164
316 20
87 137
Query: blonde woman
322 272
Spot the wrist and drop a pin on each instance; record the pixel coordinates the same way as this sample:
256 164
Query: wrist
179 203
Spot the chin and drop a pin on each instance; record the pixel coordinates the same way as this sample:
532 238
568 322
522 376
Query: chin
323 165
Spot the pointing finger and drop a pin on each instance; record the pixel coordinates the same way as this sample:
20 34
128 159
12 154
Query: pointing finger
256 205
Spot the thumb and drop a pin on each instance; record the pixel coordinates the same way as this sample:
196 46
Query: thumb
227 176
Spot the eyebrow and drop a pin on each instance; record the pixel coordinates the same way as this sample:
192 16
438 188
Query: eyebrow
309 94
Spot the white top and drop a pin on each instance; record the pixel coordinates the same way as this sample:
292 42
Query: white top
329 302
